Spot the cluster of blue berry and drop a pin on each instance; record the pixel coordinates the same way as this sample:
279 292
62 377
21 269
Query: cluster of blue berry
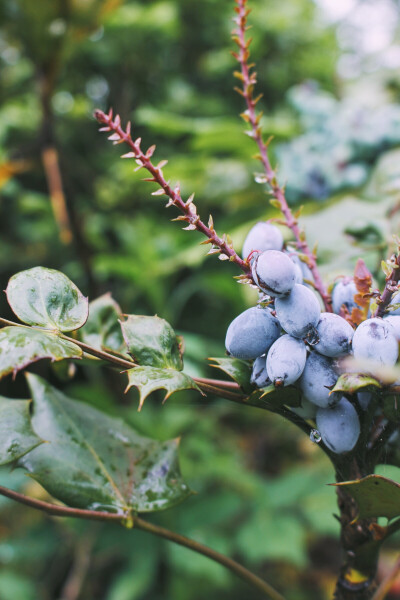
293 343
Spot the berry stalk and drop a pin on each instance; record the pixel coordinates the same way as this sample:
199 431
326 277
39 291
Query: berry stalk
219 245
248 80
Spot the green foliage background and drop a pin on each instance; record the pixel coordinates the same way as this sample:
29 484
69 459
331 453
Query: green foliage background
166 66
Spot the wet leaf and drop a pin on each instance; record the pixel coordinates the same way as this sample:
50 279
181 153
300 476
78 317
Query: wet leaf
21 346
238 370
376 496
47 298
148 379
151 341
102 329
16 434
351 382
97 462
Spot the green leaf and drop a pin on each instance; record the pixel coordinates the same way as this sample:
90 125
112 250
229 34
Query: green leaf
102 329
238 370
16 434
273 397
351 382
97 462
47 298
376 496
149 379
152 342
21 346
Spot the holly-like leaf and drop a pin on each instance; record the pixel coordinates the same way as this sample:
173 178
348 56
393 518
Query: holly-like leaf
97 462
47 298
148 379
273 397
102 329
151 341
21 346
376 496
238 370
16 434
349 383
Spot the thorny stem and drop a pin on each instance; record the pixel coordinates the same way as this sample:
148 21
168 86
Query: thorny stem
143 159
101 354
138 523
391 286
248 80
224 389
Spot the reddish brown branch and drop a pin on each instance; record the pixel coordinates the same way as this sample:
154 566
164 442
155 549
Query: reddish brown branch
248 81
137 523
391 286
188 209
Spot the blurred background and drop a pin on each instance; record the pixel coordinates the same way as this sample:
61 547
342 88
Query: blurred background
330 75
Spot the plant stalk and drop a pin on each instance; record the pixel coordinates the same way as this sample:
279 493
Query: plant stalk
248 80
137 523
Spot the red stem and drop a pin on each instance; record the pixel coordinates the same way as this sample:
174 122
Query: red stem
188 208
249 80
391 286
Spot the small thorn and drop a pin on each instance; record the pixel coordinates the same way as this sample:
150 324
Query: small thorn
113 137
129 155
150 151
159 192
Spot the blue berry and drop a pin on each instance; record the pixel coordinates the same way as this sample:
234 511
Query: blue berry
394 321
286 360
343 294
364 398
318 377
374 339
263 236
339 426
307 410
252 333
395 300
335 335
259 375
299 312
274 272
